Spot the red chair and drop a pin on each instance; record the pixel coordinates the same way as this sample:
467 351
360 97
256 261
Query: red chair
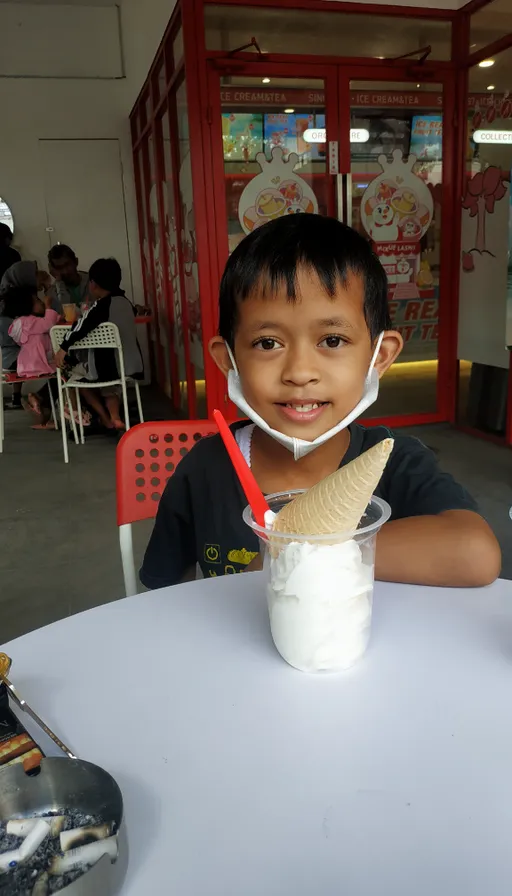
147 456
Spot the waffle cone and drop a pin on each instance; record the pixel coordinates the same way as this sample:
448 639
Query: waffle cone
337 503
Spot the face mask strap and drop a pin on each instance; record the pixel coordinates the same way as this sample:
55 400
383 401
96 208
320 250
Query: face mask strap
375 354
232 358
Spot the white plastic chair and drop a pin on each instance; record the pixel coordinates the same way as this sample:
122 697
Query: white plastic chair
8 377
104 336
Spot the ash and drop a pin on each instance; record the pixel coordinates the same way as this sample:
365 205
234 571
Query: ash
21 880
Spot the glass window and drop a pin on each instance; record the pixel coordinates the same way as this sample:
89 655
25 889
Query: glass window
485 295
177 48
171 230
324 33
397 176
159 80
490 23
6 214
189 249
274 146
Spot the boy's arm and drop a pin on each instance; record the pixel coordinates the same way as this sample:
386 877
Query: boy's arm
455 548
94 316
170 555
436 535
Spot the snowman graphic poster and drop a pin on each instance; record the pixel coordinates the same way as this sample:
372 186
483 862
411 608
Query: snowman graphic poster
396 211
276 191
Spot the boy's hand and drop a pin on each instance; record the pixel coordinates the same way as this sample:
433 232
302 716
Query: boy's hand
60 357
255 565
455 549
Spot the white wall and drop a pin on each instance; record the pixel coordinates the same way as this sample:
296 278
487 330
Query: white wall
143 23
37 108
87 38
58 109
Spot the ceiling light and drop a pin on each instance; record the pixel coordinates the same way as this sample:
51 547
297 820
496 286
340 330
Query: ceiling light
265 80
418 85
289 111
491 87
380 57
486 63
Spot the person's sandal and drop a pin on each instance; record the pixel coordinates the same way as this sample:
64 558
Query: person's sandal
86 417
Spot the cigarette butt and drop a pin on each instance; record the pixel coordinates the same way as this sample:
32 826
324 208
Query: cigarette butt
20 827
9 860
56 823
34 839
82 836
41 885
84 855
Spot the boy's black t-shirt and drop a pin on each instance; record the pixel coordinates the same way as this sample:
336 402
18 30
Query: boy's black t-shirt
199 519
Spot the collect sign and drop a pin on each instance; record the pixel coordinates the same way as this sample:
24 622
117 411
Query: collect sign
482 136
317 135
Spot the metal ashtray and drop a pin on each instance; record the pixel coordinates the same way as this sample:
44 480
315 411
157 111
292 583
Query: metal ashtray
60 818
67 785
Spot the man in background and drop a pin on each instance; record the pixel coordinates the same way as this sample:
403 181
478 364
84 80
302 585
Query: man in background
8 255
71 285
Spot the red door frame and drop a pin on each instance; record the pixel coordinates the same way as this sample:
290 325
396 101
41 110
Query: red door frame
337 80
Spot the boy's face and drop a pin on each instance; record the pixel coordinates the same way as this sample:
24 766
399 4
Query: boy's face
303 364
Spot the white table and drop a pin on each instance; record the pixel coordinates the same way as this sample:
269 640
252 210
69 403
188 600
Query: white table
244 777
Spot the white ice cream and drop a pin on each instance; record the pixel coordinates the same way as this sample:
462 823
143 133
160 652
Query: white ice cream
319 600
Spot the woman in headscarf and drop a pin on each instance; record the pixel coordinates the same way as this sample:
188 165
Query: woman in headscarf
24 275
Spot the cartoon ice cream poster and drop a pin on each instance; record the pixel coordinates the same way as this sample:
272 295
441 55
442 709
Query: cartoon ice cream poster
242 136
276 191
427 136
396 211
286 130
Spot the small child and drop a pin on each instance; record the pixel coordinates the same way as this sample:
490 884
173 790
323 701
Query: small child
32 321
304 337
111 304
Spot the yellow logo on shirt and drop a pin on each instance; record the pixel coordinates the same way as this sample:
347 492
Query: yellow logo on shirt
212 553
242 556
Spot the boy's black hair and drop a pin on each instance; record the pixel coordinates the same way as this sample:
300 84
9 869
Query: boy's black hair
271 256
107 274
60 250
17 302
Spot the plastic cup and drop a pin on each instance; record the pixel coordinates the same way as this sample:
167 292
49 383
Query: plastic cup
70 312
320 588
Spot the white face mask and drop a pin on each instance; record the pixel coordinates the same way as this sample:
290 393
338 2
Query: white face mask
300 447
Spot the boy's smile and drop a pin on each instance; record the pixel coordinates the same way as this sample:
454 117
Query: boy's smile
303 364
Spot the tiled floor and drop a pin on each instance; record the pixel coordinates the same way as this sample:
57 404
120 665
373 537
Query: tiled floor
58 531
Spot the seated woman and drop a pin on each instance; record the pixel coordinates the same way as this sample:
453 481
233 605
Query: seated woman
111 304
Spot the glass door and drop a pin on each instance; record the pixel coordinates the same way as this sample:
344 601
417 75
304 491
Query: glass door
371 153
275 157
394 197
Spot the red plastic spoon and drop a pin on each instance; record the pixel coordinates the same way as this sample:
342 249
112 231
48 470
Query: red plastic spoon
253 494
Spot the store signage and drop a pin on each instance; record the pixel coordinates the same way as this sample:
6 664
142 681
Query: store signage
482 136
370 99
317 135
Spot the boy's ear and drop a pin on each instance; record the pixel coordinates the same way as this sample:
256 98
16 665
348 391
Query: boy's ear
218 350
391 346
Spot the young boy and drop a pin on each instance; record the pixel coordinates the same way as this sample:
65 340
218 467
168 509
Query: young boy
110 304
304 335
